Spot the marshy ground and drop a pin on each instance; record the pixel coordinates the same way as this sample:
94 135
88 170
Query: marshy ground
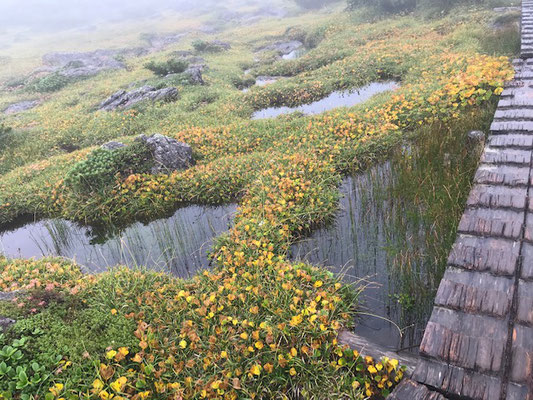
255 324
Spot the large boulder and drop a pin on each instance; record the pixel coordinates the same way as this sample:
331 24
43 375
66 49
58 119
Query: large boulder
168 154
124 100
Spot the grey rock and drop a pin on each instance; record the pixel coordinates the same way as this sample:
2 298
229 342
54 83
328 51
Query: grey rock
194 72
266 80
183 53
507 9
282 48
221 44
6 323
10 296
125 100
86 64
22 106
168 154
160 41
112 145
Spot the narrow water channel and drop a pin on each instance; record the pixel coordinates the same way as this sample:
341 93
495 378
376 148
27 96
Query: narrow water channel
179 244
334 100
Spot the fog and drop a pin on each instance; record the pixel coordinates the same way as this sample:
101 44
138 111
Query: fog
54 15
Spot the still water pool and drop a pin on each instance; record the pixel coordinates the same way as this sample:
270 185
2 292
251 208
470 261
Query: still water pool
334 100
179 244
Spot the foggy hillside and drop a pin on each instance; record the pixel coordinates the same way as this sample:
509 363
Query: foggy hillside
56 15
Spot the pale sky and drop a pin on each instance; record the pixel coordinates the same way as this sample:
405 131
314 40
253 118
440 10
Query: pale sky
59 14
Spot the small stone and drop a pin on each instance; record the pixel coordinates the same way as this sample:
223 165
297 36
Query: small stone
112 145
6 323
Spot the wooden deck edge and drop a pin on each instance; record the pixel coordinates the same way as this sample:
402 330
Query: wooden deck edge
375 351
410 390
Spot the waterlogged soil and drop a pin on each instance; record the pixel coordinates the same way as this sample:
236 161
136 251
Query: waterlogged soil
334 100
179 244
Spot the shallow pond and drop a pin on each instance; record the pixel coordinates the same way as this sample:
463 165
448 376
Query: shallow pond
179 244
356 246
393 232
263 81
334 100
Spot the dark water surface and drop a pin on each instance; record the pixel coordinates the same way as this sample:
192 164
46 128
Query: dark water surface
356 246
334 100
394 230
179 244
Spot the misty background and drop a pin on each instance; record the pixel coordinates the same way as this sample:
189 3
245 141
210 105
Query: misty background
57 15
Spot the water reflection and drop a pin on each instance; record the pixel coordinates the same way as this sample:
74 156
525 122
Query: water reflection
179 244
334 100
396 225
357 244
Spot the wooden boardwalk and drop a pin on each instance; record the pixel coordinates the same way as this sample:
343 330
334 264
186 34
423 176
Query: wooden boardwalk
478 343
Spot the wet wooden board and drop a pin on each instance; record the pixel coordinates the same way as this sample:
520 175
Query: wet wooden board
478 344
367 348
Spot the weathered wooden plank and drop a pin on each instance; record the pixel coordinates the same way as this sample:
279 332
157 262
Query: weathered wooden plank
475 293
529 228
506 156
522 353
525 303
410 390
467 341
457 381
517 126
491 196
367 348
502 175
527 265
513 114
489 222
518 392
511 140
498 256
